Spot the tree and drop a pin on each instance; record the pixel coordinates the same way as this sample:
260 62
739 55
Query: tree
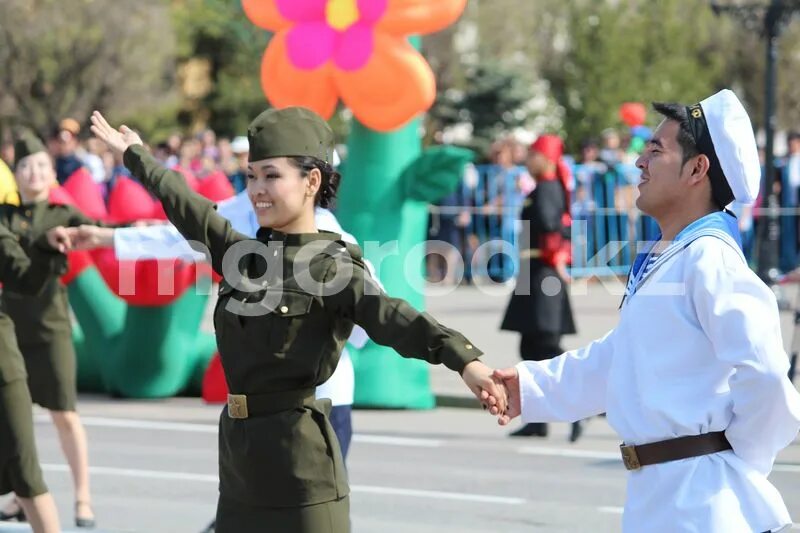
216 36
746 68
61 58
486 71
631 51
493 102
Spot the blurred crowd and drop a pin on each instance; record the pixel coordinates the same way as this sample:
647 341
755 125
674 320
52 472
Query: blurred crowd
481 211
201 156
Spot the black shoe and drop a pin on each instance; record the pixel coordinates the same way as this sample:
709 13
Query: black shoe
83 523
576 431
19 516
536 429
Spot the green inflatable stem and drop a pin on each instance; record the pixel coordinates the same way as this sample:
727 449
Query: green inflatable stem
384 199
138 351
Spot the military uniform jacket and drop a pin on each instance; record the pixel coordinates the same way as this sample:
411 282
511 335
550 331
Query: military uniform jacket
43 318
280 335
23 274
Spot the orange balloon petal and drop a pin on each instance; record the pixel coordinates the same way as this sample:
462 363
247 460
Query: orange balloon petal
265 14
395 85
286 85
409 17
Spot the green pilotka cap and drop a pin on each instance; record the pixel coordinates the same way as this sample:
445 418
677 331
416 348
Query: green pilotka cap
293 131
25 145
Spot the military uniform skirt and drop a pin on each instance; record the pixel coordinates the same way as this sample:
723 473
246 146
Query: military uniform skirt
282 471
44 335
540 302
52 372
19 464
329 517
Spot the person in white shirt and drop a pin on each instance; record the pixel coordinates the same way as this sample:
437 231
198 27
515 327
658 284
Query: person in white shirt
693 378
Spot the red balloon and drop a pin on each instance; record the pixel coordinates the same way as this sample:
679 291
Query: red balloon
633 113
147 282
215 388
216 187
60 196
129 201
86 193
77 262
191 179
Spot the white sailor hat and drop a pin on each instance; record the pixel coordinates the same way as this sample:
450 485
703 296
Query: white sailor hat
723 132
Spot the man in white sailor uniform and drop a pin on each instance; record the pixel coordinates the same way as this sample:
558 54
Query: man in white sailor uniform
693 378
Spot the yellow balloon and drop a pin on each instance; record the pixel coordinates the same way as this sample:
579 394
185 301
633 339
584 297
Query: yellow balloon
8 187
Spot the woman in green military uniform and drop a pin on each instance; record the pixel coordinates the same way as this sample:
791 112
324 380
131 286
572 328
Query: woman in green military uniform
19 464
43 326
287 304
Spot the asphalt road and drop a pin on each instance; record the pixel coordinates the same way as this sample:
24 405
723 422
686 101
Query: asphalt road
153 469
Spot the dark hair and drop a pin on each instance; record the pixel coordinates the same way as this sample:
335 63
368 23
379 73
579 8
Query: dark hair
686 139
330 178
590 142
794 135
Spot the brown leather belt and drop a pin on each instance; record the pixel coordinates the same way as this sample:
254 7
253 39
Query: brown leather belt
664 451
242 406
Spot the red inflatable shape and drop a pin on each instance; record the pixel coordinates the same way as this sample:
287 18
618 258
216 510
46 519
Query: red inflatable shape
215 388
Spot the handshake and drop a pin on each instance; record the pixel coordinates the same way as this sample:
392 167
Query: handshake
497 390
84 237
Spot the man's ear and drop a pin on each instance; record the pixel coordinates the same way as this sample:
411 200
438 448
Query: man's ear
699 167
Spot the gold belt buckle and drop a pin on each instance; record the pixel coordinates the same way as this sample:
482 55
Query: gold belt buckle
237 406
629 457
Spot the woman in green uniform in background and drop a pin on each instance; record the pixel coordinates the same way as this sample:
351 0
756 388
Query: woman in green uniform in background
42 322
19 464
287 304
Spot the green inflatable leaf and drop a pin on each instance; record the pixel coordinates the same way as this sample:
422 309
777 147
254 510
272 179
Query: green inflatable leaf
436 173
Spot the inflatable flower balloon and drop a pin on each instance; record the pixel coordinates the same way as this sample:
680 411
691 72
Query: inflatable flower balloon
359 52
353 50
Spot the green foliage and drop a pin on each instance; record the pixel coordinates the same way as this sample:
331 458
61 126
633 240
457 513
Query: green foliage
218 31
63 58
436 172
493 101
637 50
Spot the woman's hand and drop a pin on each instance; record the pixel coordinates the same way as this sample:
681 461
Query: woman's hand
510 379
117 141
490 392
87 237
59 239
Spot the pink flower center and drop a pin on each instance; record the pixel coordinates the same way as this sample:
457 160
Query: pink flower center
341 31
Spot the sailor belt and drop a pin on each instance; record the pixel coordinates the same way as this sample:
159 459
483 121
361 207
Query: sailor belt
532 253
665 451
242 406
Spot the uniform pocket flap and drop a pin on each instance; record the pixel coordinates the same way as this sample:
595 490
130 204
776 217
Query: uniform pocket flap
294 304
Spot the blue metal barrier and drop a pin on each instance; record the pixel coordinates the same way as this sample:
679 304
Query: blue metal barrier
605 231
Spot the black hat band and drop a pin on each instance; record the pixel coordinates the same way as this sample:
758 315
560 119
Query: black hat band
720 189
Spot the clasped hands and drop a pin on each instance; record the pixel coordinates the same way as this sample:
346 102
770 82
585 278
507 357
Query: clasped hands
497 390
83 237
